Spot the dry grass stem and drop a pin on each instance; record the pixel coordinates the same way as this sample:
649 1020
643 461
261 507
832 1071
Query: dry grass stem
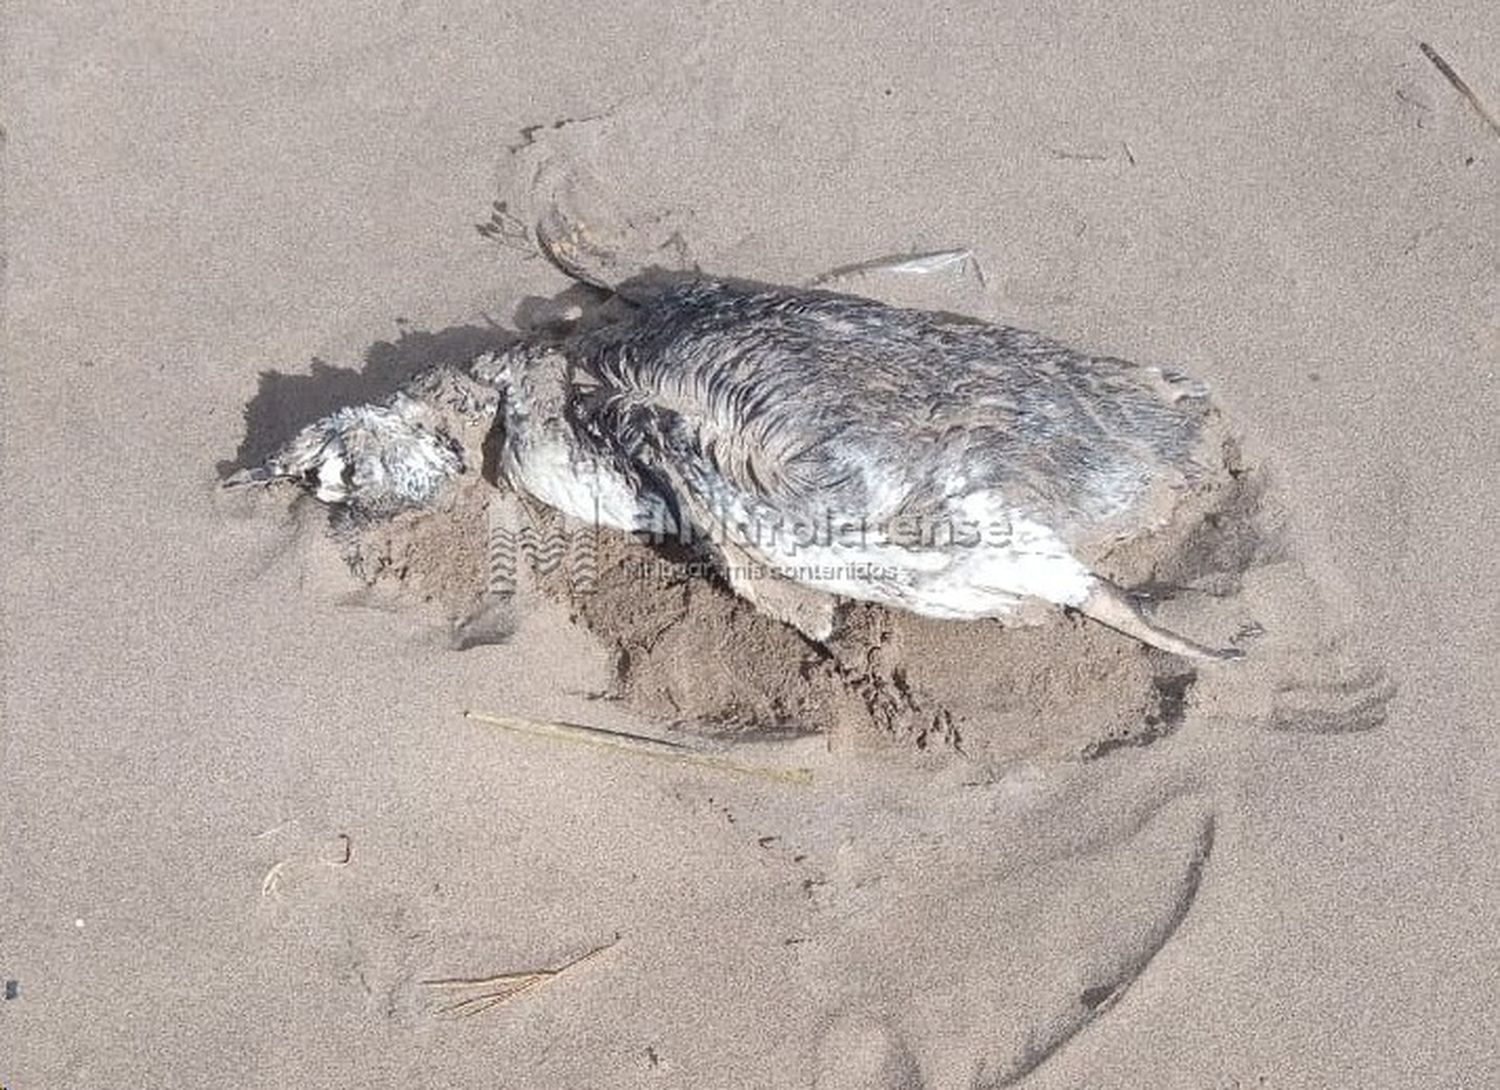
638 744
490 991
1460 86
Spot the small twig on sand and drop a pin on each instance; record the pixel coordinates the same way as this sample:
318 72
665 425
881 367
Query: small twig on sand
1460 86
491 991
639 744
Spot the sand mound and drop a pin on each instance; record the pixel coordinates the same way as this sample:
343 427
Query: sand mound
688 652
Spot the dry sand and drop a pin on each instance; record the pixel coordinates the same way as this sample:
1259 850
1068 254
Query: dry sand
245 823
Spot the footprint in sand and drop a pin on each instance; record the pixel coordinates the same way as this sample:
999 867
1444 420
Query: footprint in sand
963 945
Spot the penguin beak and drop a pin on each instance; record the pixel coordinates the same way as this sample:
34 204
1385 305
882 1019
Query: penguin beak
330 483
254 475
307 460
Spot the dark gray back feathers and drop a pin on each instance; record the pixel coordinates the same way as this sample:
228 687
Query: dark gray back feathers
813 403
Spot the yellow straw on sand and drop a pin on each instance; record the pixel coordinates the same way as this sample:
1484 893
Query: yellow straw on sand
640 745
491 991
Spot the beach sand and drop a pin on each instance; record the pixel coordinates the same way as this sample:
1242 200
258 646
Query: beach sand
250 837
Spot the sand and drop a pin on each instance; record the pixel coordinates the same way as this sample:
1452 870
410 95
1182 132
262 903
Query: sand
245 821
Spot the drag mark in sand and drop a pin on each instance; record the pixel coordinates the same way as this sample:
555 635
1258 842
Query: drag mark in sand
1101 912
1098 998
